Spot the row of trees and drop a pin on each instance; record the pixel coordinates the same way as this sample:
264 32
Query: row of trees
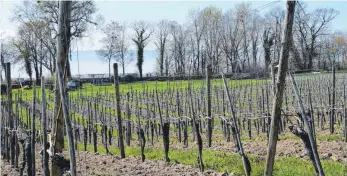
35 44
238 40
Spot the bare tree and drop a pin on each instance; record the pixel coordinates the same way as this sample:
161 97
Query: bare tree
161 36
34 45
197 25
7 54
23 51
123 56
213 18
274 20
179 48
82 15
309 27
231 40
109 43
255 34
142 33
334 49
243 13
28 49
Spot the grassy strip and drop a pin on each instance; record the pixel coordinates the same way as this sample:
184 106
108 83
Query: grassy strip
325 137
163 85
231 162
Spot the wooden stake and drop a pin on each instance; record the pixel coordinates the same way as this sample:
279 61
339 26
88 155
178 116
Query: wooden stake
279 87
62 57
309 128
119 117
208 97
245 160
44 129
33 128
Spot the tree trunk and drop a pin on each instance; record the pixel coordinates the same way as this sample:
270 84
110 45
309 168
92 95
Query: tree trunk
109 69
310 54
36 67
161 60
140 58
254 54
123 65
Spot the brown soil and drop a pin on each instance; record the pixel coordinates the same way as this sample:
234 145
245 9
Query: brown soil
102 165
328 150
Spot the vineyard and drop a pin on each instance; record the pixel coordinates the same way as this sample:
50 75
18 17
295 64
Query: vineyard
229 91
182 121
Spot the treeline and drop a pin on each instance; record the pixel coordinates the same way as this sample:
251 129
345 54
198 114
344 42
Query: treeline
239 40
236 41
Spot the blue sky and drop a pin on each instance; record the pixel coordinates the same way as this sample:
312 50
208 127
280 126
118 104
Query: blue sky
153 11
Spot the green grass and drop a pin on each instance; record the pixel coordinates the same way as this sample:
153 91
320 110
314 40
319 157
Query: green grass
231 162
89 89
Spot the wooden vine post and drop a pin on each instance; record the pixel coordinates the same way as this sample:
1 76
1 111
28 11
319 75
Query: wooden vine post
128 115
332 112
44 129
279 88
9 115
165 126
62 59
15 132
33 128
179 116
208 97
119 116
313 144
196 129
236 132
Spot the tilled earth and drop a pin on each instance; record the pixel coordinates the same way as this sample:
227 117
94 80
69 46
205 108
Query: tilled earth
328 150
89 163
102 165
